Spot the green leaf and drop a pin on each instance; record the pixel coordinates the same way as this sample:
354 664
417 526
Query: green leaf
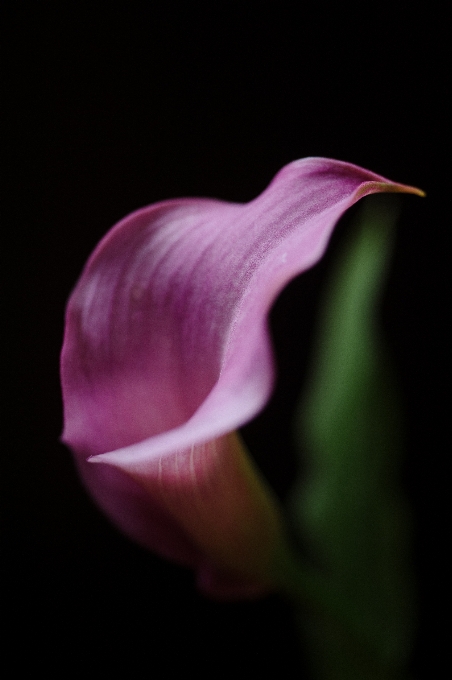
348 508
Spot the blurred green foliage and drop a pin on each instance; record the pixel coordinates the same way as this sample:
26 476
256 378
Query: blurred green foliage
347 507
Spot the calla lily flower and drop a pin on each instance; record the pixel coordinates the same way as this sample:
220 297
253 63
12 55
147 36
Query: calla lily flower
167 352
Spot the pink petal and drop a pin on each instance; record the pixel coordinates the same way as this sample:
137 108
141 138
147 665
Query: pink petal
166 351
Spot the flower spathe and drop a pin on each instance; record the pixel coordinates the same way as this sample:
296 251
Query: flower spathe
167 352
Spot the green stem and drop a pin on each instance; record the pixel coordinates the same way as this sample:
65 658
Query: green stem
338 643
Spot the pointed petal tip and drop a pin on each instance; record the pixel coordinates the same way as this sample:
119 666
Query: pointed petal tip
375 187
415 190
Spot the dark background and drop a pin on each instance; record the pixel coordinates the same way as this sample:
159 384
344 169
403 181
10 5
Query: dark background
111 109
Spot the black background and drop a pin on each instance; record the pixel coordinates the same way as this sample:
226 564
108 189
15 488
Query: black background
109 109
